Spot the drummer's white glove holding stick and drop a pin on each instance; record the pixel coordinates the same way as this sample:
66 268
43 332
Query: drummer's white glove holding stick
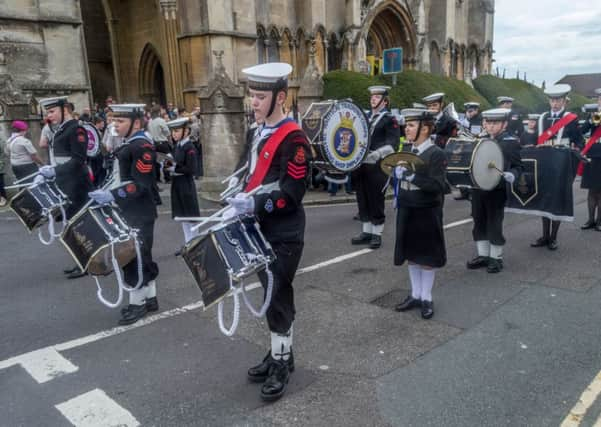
400 173
102 197
509 177
39 179
242 203
47 171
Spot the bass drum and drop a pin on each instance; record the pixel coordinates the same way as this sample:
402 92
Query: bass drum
339 135
474 163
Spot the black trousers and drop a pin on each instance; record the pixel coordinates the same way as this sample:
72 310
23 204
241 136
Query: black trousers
488 211
281 311
2 190
21 171
370 181
150 269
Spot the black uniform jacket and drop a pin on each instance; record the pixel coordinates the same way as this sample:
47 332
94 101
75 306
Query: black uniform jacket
511 147
430 178
136 196
386 131
184 201
280 212
571 131
71 140
444 129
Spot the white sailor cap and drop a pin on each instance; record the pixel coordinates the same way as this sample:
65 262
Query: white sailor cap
590 108
178 123
502 99
469 105
496 114
598 92
418 105
413 114
435 97
558 91
378 90
533 116
56 101
269 76
127 110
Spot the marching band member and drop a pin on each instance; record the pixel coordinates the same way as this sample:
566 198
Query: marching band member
591 175
557 128
277 154
488 206
135 198
515 126
369 178
419 228
472 120
68 154
184 201
445 127
530 135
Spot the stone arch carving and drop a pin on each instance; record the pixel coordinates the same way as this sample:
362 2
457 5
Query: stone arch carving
272 44
320 40
334 52
302 52
261 38
435 62
151 77
286 46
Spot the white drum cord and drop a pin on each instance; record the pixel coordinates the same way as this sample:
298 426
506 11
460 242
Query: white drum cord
268 293
52 235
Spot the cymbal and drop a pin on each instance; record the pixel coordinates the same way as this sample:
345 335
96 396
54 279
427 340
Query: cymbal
393 160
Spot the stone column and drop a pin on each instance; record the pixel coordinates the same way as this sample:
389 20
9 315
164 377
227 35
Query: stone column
223 128
174 82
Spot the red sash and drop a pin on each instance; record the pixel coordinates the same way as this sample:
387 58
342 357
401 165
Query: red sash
552 131
267 154
594 138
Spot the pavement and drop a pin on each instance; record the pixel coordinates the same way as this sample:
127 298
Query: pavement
520 348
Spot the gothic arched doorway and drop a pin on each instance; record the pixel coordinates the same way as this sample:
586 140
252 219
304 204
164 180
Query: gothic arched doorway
152 77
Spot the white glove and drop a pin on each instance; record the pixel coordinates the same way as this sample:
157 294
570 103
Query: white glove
373 157
48 171
233 182
102 197
509 177
39 179
242 203
399 171
228 214
170 169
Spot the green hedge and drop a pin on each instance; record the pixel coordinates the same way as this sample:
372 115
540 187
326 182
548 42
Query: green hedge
411 87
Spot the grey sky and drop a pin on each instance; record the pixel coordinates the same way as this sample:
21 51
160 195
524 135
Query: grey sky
547 38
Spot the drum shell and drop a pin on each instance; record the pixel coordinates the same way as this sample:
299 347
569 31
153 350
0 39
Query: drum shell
32 202
88 238
467 163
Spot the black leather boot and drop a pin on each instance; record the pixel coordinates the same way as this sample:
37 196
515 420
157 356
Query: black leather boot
361 239
494 265
427 309
275 385
132 314
588 225
408 303
375 242
478 262
540 242
259 373
152 304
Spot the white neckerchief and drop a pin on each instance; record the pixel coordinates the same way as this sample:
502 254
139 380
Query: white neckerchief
423 146
261 133
182 142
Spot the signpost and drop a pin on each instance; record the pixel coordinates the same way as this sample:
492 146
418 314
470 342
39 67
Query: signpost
392 62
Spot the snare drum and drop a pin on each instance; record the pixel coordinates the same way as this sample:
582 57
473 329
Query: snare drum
34 204
474 163
91 235
226 253
339 135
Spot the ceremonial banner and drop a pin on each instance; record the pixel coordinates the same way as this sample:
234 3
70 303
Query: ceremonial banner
545 187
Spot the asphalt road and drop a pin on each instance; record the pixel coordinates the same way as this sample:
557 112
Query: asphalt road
514 349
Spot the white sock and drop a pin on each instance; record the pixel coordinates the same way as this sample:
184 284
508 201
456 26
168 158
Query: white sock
427 284
151 289
496 251
137 297
483 247
188 233
281 344
377 229
366 227
415 275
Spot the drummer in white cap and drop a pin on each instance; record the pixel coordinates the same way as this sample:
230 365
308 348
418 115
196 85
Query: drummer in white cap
557 128
277 155
514 125
445 125
488 207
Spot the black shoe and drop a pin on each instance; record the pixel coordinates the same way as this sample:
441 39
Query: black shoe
259 373
408 303
361 239
540 242
588 225
478 262
132 314
598 227
152 304
375 242
553 245
275 385
70 270
76 274
494 266
427 309
356 217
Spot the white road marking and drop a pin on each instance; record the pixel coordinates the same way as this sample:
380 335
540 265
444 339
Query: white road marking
96 409
587 398
46 363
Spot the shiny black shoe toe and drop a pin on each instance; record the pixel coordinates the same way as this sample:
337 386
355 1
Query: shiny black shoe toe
478 262
71 270
361 239
540 242
427 309
408 303
375 242
152 304
553 245
275 385
588 225
76 274
260 373
132 313
494 266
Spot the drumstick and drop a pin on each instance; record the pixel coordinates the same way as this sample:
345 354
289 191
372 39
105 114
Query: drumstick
491 165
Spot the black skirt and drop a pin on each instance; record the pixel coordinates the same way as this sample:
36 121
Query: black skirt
184 201
591 176
420 237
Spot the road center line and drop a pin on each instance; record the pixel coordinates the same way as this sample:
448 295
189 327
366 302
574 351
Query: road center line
66 367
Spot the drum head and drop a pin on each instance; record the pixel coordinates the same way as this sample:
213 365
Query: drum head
487 158
93 140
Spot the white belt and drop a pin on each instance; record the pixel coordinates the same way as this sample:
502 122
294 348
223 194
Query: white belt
407 186
268 188
59 160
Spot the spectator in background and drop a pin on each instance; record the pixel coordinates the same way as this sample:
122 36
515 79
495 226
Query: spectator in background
86 115
171 111
160 134
24 159
3 196
195 138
